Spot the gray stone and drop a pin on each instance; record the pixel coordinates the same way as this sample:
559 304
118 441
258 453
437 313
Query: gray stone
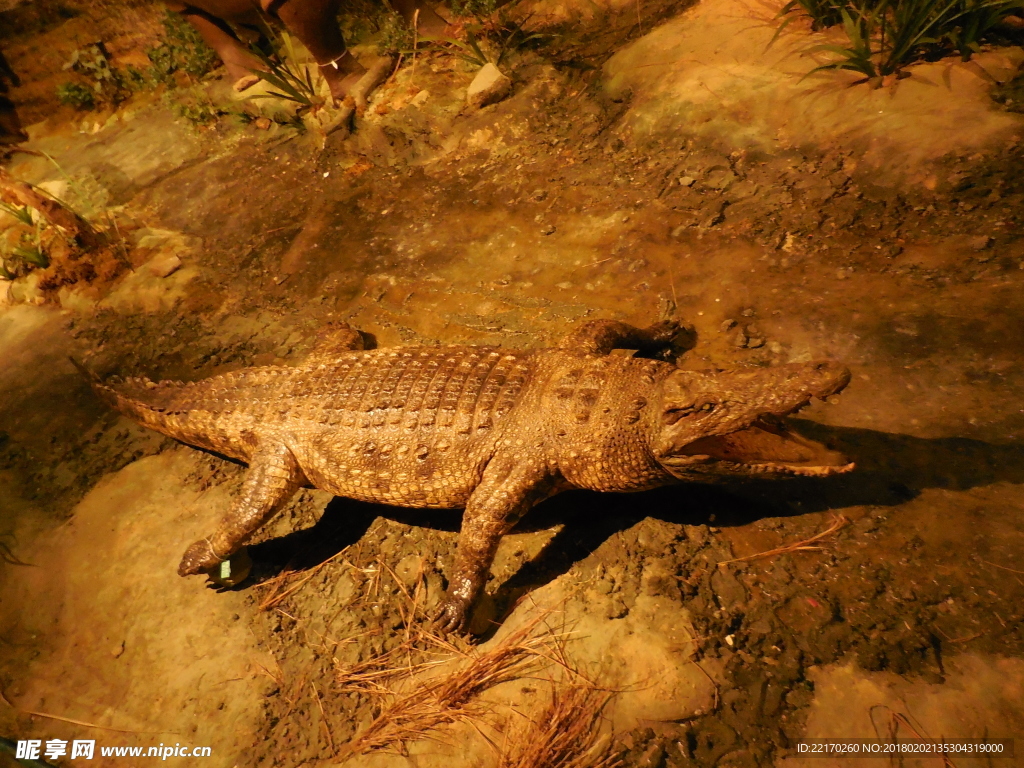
164 265
488 87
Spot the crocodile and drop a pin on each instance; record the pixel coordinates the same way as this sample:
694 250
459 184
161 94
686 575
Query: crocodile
490 430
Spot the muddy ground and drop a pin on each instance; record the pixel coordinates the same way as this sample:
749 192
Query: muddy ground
605 186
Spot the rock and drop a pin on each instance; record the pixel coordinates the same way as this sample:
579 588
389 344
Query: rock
728 325
979 243
653 756
755 342
420 98
263 123
117 650
719 178
748 312
547 229
686 181
164 265
740 340
488 87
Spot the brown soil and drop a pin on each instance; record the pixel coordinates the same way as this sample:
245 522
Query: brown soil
575 198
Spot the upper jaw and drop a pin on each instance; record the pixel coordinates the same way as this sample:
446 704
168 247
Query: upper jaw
762 442
815 380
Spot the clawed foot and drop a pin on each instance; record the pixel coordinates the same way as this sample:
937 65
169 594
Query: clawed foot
452 616
199 558
663 332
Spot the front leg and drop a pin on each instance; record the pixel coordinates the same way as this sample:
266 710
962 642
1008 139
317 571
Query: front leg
600 337
506 493
273 477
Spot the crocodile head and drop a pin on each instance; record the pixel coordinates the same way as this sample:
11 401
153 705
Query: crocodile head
731 423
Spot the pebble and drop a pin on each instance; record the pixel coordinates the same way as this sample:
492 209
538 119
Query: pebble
547 229
686 181
263 123
728 325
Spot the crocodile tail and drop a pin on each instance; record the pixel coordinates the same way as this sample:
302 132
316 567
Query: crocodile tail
137 398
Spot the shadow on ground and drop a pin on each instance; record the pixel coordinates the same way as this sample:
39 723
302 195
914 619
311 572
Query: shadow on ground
892 469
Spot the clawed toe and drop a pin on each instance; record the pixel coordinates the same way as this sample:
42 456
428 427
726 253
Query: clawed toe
450 617
664 331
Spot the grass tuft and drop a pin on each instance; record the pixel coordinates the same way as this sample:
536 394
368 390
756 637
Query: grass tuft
886 36
566 734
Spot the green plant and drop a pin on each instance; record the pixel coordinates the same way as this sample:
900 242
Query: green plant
500 37
360 19
198 111
134 79
479 8
22 215
822 13
76 95
33 255
283 72
974 20
395 36
885 36
181 50
92 63
471 52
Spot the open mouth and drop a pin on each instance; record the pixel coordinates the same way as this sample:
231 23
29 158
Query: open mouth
769 445
761 440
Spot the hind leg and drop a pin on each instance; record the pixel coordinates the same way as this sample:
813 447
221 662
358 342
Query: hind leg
274 476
